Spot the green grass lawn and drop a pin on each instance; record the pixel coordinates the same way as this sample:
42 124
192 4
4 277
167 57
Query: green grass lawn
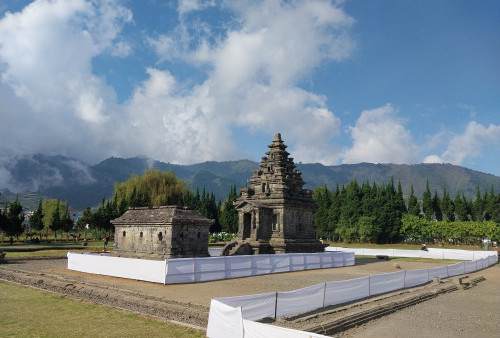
26 312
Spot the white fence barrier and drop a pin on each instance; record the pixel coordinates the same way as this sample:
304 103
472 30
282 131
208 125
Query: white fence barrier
278 304
192 270
146 270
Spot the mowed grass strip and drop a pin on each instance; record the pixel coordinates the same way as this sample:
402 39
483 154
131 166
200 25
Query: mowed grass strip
27 312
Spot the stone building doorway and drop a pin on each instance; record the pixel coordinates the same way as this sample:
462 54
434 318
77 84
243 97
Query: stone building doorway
247 225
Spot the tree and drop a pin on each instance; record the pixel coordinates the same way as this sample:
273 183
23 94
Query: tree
437 208
461 208
14 220
447 206
478 206
368 230
228 214
55 221
413 206
154 188
427 203
36 220
334 213
322 197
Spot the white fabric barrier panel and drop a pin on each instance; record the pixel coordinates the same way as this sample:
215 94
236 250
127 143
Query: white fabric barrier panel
461 255
344 291
279 263
386 282
300 300
327 261
441 272
456 269
180 270
312 261
416 277
297 262
260 265
253 307
224 321
407 253
471 266
140 269
210 268
259 330
347 258
189 270
238 266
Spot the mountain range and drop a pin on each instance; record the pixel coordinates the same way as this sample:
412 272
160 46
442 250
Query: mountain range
84 185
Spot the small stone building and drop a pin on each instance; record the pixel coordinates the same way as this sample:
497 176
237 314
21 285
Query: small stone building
162 232
276 215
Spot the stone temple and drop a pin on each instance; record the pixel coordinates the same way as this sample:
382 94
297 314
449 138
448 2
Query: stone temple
276 215
162 232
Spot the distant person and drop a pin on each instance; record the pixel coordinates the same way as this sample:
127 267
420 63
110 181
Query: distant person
106 240
424 247
85 242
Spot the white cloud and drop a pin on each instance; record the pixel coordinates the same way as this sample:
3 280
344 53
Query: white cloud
471 143
251 69
254 68
48 87
433 159
379 136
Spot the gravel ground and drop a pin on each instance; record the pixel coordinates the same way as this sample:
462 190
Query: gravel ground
473 312
457 314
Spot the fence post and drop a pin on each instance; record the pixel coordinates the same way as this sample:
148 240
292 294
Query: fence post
324 294
166 270
369 286
276 306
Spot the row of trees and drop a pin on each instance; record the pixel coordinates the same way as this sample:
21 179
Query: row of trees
371 213
366 213
484 207
156 188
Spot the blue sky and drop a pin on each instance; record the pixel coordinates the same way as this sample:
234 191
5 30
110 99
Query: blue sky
382 81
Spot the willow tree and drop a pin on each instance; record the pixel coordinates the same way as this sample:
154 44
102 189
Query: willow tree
154 188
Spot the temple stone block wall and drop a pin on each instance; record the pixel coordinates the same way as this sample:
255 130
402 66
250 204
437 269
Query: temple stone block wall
160 233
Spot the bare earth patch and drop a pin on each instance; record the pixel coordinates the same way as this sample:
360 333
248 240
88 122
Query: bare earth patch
454 314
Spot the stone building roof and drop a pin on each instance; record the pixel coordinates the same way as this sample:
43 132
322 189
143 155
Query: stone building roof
160 215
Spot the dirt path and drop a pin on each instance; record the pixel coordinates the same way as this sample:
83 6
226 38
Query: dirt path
189 303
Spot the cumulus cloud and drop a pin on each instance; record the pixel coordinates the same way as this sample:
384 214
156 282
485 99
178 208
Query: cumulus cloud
52 100
250 73
252 80
379 136
471 143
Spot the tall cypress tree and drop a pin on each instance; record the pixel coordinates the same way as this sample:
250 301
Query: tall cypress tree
478 206
228 214
36 220
427 203
334 213
413 206
447 206
437 208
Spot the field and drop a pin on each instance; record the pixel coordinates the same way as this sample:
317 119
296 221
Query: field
26 312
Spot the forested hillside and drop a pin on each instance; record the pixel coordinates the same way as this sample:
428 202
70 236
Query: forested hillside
81 185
